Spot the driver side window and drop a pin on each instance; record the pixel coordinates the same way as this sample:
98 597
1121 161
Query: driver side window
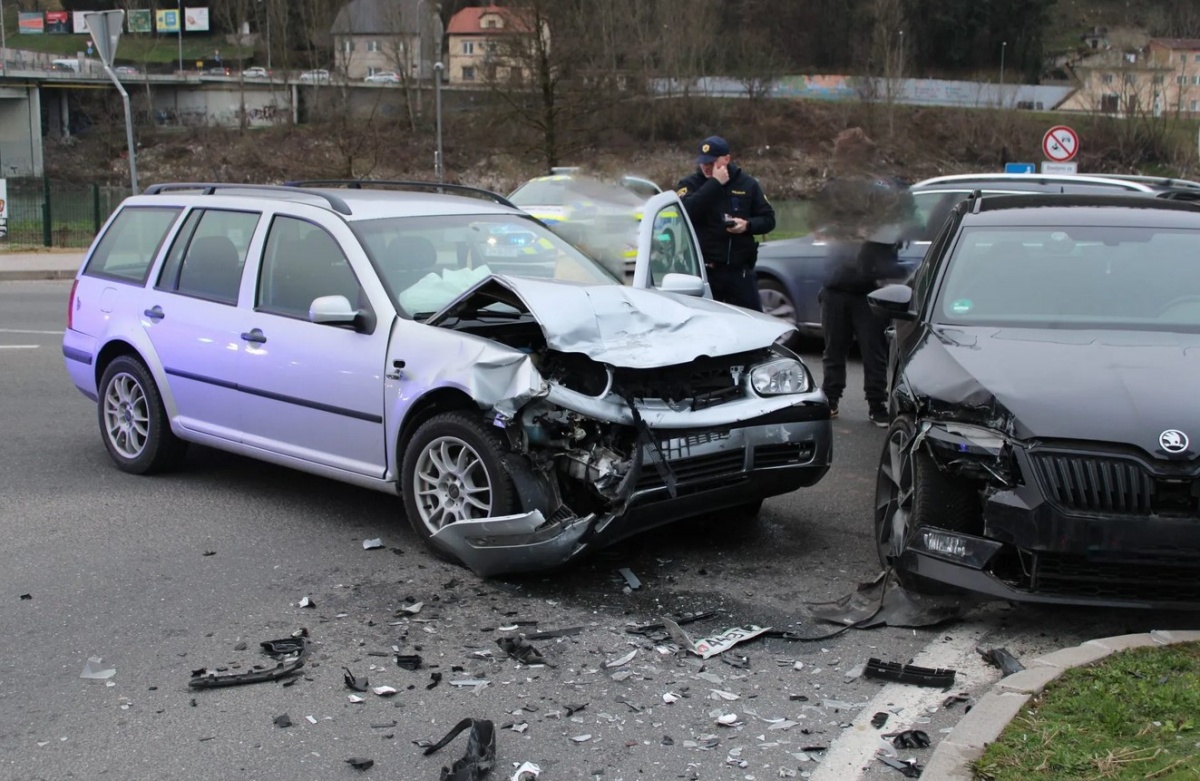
671 248
302 262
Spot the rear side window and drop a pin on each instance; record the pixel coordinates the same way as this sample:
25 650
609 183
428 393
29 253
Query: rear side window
129 246
208 255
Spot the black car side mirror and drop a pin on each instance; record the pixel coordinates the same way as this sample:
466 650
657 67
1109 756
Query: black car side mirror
893 302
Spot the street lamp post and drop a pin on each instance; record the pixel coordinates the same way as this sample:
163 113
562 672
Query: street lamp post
179 21
437 91
1003 46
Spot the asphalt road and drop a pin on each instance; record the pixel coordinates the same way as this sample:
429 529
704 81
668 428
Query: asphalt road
162 576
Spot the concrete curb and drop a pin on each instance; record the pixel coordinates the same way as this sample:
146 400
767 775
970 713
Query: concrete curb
25 275
951 760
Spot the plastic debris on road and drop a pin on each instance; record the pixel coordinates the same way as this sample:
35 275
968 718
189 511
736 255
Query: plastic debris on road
526 772
359 763
1001 659
480 756
372 544
94 670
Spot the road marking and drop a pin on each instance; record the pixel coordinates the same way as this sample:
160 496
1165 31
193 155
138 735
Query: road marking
21 331
854 750
19 346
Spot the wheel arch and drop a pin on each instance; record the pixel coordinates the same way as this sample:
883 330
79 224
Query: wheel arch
432 403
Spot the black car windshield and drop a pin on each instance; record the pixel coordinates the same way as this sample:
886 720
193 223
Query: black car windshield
1124 278
426 262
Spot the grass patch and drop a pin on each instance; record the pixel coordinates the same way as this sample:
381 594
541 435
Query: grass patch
1133 715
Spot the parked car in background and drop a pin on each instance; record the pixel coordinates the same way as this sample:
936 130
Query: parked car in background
217 70
528 407
1045 441
315 76
256 73
383 77
126 70
791 271
598 215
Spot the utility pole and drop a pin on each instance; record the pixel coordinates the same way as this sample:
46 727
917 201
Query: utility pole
437 90
1003 46
179 29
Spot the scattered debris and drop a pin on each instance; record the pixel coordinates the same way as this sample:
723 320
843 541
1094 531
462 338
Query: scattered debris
355 698
27 596
573 709
408 661
384 691
581 738
879 719
519 649
517 726
92 669
733 660
717 694
412 609
474 683
291 652
480 755
908 767
310 719
354 682
711 646
372 544
669 698
909 673
526 772
1001 659
360 764
728 720
434 680
307 602
210 553
622 661
283 721
630 578
911 738
954 699
884 602
551 633
658 626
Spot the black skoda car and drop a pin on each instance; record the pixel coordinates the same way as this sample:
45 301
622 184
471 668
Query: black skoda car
1045 394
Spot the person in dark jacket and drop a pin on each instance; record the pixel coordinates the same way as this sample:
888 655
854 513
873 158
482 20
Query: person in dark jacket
728 209
864 216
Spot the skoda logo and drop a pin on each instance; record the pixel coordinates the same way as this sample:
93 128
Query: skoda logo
1173 441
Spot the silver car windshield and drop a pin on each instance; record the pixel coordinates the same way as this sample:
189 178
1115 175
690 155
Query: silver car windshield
1122 278
426 262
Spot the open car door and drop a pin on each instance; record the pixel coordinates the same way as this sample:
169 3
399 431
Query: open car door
668 255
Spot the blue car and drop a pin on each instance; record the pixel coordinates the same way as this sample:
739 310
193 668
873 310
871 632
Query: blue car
790 271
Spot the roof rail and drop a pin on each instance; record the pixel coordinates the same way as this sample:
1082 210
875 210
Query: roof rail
439 187
1097 179
208 188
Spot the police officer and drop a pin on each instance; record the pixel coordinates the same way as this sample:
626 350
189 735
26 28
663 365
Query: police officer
728 209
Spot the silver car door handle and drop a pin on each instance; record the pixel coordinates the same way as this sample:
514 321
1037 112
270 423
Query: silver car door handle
255 335
154 313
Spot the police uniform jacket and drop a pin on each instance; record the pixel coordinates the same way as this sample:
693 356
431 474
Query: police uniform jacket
707 201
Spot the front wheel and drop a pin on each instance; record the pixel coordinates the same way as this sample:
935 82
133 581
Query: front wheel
911 492
133 420
775 300
453 471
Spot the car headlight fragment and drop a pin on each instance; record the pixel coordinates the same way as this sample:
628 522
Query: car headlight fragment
780 377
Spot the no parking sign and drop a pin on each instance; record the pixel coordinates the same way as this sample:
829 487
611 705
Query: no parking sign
1060 144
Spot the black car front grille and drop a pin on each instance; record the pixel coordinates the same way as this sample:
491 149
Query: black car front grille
1166 576
1095 483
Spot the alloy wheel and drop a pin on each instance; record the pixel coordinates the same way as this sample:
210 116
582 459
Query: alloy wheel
126 415
452 484
776 304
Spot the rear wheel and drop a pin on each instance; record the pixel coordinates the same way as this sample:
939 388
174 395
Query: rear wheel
133 420
453 472
910 492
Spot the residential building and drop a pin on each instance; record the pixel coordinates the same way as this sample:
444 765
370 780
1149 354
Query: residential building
481 42
373 36
1182 88
1121 82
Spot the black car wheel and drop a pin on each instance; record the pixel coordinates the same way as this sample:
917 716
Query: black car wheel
775 300
133 420
453 472
910 492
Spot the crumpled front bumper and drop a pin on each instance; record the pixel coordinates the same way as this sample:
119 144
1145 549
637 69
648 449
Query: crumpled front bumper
711 472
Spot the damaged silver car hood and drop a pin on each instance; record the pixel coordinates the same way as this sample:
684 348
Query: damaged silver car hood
623 326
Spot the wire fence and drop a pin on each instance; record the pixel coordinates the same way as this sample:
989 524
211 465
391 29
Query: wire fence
45 213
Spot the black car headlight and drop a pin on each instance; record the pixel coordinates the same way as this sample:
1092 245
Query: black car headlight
780 377
971 451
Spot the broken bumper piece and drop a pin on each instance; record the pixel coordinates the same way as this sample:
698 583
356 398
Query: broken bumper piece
513 543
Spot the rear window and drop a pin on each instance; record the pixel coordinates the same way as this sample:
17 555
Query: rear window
129 246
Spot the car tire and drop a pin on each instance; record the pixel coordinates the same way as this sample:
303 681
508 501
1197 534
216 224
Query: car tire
775 300
910 483
451 459
133 420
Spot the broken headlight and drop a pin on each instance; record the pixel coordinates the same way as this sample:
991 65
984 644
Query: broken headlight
972 451
780 377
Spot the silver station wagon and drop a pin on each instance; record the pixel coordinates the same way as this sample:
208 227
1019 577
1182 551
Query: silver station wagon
437 342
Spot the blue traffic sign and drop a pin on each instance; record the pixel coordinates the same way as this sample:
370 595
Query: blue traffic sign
1020 168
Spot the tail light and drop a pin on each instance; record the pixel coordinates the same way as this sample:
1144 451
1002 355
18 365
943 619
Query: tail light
71 306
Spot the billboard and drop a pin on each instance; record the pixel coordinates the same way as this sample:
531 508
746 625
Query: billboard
197 19
78 26
31 23
58 22
167 21
137 21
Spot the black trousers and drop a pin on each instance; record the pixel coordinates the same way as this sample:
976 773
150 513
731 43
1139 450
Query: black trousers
737 285
845 317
